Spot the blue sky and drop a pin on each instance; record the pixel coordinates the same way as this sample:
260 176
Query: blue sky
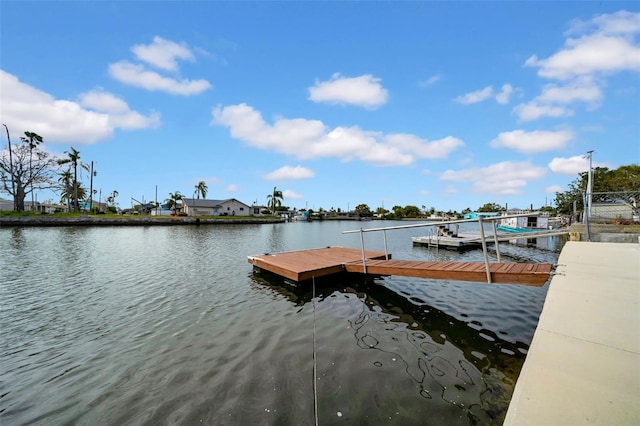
442 104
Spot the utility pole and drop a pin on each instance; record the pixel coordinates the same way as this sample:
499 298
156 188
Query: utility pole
91 189
589 194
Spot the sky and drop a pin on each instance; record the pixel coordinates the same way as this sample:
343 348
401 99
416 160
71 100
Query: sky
448 105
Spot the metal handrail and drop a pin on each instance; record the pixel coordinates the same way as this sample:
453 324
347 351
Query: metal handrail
479 219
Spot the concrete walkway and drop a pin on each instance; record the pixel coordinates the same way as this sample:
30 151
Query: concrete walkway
583 366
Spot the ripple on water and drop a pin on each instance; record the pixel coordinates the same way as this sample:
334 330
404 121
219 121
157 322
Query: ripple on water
166 325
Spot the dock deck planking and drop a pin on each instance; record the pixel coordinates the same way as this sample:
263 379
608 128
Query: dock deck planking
306 264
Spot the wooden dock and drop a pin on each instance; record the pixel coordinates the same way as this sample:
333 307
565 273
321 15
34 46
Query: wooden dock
469 241
306 264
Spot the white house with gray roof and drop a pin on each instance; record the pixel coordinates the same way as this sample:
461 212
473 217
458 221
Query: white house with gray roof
204 207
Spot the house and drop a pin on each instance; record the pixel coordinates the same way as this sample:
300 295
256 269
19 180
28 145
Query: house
260 210
162 210
203 207
7 205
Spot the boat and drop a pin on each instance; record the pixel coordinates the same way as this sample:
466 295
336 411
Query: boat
301 217
484 215
528 222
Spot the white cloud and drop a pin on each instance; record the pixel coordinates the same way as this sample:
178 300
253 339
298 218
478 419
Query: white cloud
534 110
603 46
574 165
505 178
120 116
137 75
532 142
553 100
475 97
232 187
579 90
163 53
94 117
287 173
430 81
308 139
288 194
621 22
365 91
553 189
569 166
589 55
504 96
421 148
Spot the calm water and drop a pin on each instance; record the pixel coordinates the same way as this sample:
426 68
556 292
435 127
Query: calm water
168 325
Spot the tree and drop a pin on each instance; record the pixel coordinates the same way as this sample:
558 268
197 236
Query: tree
32 140
274 200
622 179
362 209
73 158
75 191
111 202
411 211
202 188
490 207
381 211
398 212
172 201
66 179
23 169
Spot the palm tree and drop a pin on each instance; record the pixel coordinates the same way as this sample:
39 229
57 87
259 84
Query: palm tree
73 157
66 178
33 140
73 192
274 201
172 201
111 199
202 188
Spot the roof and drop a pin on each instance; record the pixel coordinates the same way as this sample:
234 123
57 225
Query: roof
195 202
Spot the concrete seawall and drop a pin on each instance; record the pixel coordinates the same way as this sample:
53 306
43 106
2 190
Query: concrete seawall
45 220
583 365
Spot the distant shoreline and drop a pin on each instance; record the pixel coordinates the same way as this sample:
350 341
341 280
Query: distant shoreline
53 221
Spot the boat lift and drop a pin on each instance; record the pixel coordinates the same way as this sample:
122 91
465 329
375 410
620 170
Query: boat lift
483 240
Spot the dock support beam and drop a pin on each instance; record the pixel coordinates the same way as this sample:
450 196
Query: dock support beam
364 257
495 239
484 250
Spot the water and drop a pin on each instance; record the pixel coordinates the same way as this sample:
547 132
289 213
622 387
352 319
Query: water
168 325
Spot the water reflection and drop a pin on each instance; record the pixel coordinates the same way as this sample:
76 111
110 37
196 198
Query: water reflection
457 362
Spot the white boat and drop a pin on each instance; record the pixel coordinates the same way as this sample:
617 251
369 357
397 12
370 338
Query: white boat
530 222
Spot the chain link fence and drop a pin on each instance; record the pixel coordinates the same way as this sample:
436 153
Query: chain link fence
614 207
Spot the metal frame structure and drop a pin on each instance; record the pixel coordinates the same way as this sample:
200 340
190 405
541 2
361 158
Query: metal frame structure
479 219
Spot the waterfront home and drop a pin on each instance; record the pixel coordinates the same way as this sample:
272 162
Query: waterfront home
7 205
204 207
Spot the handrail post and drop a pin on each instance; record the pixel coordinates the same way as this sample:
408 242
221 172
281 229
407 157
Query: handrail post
484 250
364 258
386 252
495 239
